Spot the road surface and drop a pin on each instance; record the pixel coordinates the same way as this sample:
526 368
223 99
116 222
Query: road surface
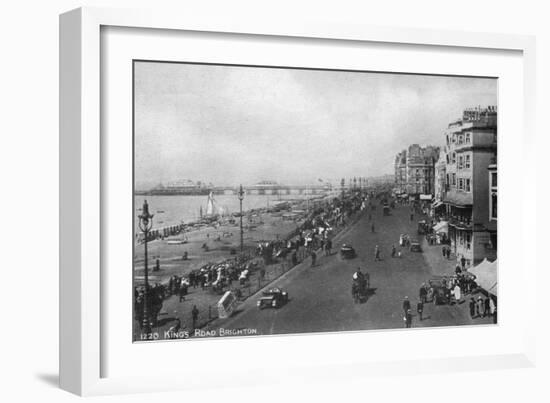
320 296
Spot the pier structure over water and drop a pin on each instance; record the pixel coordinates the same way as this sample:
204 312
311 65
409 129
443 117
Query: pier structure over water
261 188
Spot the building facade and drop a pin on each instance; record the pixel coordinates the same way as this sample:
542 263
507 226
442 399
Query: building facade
470 149
415 170
400 165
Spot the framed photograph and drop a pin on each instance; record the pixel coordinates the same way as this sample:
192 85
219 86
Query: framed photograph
313 200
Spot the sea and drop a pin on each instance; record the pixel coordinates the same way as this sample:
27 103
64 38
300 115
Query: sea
177 209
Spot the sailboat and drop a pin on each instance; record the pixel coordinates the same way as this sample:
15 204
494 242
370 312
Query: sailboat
210 205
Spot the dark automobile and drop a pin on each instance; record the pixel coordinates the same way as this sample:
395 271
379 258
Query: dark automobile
438 292
386 209
273 298
415 246
347 252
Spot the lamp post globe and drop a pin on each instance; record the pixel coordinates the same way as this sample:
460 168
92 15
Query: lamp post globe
145 224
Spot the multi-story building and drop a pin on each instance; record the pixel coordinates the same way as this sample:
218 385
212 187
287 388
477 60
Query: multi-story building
400 165
440 182
471 147
414 170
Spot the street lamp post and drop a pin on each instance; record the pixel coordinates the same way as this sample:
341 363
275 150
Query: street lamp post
241 197
145 225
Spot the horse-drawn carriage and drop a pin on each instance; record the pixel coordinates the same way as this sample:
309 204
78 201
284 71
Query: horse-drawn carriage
360 286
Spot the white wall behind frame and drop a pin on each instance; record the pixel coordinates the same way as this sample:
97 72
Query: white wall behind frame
29 33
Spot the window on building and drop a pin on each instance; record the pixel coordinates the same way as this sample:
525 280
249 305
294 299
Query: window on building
460 161
467 161
447 157
468 138
460 184
467 185
454 179
454 158
493 179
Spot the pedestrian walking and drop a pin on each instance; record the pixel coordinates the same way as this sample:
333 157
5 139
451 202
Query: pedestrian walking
372 227
480 306
472 308
420 309
313 258
444 251
377 254
408 319
423 293
393 251
412 217
492 306
487 307
448 253
406 305
328 247
463 262
182 292
195 316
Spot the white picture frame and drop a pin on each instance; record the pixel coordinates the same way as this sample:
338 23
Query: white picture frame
82 174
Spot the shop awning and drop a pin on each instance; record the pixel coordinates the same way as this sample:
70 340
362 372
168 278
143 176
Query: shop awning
442 226
486 275
437 203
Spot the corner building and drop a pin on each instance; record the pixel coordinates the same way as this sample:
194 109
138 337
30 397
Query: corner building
471 148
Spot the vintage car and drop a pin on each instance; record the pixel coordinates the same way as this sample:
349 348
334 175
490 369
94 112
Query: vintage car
347 252
273 298
386 209
438 293
415 246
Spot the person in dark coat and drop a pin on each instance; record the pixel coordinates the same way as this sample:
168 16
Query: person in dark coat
313 258
472 308
463 262
195 315
328 247
182 292
408 319
420 309
406 305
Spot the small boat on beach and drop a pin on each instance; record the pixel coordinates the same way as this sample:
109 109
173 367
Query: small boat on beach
176 241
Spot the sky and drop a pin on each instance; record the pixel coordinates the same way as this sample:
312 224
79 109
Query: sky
232 124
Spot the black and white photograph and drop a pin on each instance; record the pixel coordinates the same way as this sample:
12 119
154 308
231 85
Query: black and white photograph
274 201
